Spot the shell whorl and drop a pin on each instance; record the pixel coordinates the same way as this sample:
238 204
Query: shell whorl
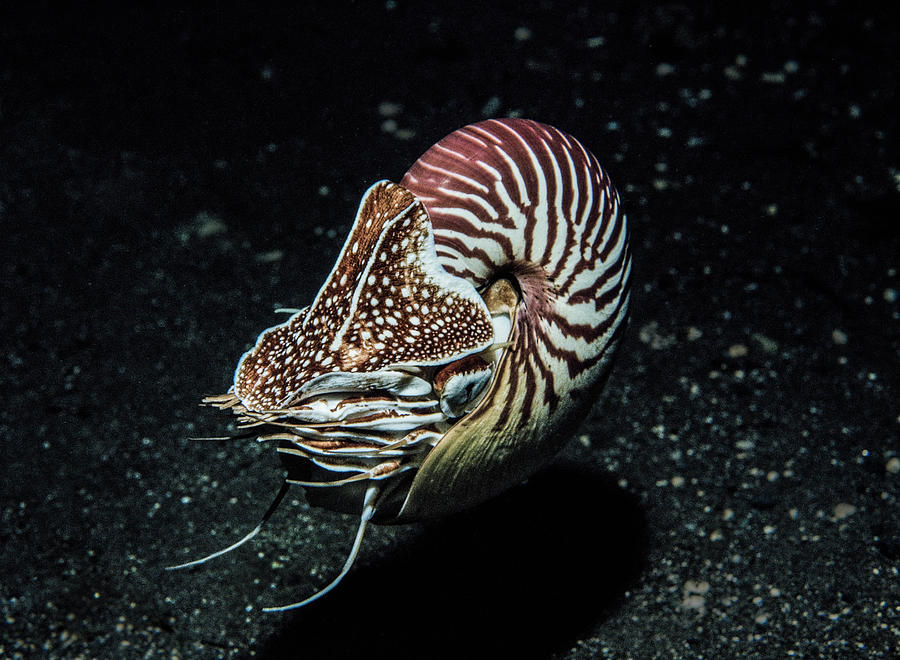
522 199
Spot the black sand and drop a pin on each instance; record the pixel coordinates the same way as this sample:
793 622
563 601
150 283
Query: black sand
168 178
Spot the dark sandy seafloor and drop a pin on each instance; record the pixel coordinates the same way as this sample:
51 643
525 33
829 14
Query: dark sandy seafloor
170 177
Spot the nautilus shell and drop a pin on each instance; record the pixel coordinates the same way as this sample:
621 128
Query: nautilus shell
465 329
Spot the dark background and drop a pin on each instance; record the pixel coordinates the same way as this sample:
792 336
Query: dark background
169 177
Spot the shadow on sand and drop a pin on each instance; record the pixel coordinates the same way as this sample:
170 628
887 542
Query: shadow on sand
519 577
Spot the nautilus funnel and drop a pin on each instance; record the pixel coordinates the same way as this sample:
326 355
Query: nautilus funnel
464 331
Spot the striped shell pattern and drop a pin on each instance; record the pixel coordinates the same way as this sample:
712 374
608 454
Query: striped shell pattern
464 331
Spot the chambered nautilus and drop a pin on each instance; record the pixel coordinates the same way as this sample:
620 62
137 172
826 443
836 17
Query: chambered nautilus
465 330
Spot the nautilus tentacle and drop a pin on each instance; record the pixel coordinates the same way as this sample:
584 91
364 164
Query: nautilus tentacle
469 321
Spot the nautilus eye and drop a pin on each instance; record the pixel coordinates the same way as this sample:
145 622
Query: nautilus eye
465 329
460 384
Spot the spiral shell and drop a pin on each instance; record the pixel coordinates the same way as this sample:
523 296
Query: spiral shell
521 200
